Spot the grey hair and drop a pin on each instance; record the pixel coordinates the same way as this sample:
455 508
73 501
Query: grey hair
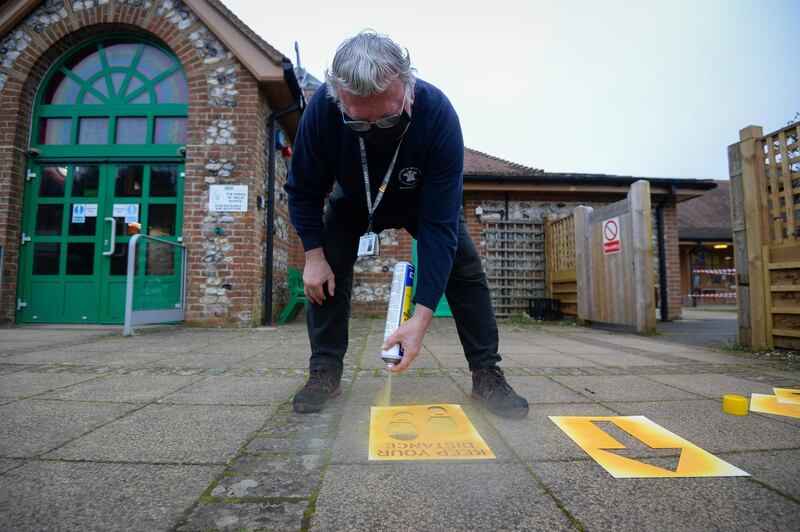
366 64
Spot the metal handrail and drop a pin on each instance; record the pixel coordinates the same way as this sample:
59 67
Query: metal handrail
148 316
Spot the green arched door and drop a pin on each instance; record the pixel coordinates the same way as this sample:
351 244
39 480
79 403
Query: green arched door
108 142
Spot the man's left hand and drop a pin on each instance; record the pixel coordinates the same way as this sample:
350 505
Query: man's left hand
410 335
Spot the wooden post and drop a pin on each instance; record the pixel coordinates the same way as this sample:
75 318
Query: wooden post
642 224
583 266
748 231
549 254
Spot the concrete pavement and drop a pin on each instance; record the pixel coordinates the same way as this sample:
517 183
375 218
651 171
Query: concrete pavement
192 429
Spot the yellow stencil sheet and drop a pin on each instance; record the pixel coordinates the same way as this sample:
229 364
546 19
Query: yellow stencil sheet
787 396
768 404
693 461
424 432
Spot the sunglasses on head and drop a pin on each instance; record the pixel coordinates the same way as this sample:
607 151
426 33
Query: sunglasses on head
382 123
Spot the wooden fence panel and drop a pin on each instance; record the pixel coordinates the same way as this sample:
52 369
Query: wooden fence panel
765 207
560 255
617 287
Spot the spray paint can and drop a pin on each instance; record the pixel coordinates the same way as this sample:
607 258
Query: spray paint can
399 309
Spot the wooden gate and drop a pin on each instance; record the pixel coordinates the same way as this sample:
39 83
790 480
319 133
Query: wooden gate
765 203
614 261
560 254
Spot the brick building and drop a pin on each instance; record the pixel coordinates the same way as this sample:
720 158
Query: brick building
119 116
126 116
506 206
708 273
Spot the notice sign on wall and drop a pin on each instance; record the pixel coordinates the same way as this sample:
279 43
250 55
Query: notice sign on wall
228 198
611 242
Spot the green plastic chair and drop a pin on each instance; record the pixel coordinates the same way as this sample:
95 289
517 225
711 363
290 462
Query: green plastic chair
297 298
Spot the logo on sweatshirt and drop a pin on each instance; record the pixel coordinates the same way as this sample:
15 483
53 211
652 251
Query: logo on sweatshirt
409 178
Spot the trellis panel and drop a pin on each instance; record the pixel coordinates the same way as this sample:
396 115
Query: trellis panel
514 261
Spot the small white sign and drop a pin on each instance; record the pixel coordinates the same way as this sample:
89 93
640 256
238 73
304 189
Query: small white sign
229 198
130 211
78 213
91 210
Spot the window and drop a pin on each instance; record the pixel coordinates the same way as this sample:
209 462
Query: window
112 97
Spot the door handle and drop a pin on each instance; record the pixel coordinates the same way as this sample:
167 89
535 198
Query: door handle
113 235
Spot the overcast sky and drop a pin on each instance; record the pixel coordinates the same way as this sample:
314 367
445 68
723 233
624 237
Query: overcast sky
645 88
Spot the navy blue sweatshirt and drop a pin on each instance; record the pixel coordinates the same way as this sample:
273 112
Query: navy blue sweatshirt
424 189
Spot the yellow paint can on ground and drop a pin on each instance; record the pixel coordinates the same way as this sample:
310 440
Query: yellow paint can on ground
601 446
424 432
768 404
787 396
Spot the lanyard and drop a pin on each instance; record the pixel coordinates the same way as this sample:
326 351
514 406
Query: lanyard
370 205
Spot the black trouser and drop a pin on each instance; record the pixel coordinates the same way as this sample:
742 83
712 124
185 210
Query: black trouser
467 292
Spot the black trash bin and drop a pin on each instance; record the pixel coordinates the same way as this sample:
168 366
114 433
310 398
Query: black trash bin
541 308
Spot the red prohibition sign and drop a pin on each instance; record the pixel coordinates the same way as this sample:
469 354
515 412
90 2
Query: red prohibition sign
610 230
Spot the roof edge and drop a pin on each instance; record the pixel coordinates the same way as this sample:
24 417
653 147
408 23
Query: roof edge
590 179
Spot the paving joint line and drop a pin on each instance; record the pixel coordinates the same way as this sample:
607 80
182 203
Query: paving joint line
542 485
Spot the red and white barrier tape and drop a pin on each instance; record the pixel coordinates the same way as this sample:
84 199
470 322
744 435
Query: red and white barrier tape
716 271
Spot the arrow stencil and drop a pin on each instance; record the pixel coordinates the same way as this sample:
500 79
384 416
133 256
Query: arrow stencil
633 448
641 440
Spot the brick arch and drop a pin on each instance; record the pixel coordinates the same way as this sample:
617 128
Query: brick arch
36 64
226 144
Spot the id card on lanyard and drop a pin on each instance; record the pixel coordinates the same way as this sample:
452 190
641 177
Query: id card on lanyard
369 243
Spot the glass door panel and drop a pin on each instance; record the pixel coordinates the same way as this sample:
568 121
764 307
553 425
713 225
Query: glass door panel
58 266
65 275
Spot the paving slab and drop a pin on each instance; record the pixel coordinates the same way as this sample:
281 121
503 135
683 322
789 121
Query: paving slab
7 464
549 361
621 388
49 356
270 390
621 359
275 358
171 433
479 496
538 438
30 427
292 464
247 516
539 390
120 358
27 384
713 386
407 389
779 469
200 360
600 502
705 424
264 486
123 388
46 495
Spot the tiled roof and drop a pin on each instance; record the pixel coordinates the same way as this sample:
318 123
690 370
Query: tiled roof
479 163
707 217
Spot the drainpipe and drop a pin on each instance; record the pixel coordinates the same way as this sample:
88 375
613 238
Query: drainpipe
294 87
662 252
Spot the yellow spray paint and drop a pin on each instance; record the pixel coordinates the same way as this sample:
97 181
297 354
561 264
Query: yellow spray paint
693 461
385 394
424 432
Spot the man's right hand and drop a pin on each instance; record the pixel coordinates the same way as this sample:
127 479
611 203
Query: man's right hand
316 274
